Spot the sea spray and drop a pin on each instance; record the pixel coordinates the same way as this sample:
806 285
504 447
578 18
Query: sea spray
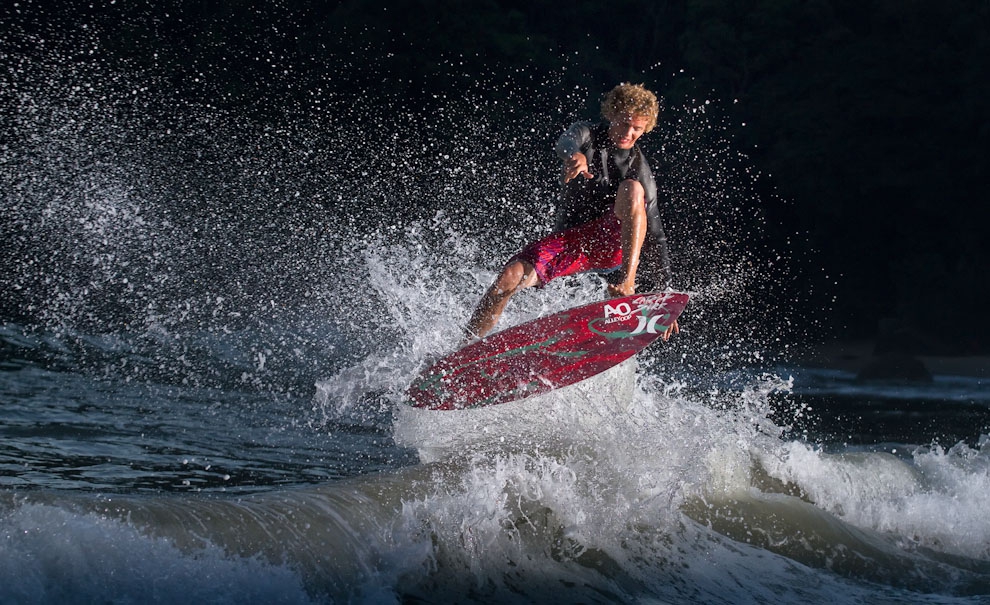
926 495
136 206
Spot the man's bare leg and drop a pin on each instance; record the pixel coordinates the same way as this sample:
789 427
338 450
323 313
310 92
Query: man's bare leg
516 276
630 207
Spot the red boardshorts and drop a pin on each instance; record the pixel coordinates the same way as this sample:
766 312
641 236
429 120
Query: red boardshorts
593 245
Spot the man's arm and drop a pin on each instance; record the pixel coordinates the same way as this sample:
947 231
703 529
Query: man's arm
575 138
569 147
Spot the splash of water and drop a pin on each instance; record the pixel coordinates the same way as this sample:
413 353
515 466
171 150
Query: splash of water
133 209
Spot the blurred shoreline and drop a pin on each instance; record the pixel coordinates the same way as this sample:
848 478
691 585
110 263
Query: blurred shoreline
857 356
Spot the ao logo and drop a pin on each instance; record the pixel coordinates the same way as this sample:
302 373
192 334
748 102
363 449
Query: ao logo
619 309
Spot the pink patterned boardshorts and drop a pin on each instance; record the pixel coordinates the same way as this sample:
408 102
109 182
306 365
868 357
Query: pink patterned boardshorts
594 245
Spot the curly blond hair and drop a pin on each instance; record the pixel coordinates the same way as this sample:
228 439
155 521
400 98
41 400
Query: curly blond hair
631 100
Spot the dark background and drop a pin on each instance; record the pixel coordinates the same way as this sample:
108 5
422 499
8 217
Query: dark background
867 122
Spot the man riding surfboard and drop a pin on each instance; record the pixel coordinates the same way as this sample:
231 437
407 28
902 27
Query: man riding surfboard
608 217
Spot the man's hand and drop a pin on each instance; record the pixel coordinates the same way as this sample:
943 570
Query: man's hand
672 329
575 165
625 289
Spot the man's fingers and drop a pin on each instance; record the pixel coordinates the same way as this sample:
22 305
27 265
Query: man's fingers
575 165
571 174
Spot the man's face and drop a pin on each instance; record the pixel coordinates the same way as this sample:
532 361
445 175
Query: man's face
626 130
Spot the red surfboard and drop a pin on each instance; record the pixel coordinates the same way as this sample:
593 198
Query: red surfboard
546 353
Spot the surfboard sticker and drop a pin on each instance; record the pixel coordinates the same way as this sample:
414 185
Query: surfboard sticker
546 353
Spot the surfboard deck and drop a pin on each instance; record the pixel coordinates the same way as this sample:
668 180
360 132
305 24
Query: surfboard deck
546 353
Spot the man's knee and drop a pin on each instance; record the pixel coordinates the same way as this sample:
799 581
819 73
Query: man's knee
514 276
630 199
632 188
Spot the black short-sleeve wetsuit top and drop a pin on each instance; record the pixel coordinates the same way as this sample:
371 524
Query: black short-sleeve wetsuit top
584 200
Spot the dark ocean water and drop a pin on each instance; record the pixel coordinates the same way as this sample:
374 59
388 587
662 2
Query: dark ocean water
796 485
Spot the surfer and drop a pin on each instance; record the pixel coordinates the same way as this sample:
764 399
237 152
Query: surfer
607 218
